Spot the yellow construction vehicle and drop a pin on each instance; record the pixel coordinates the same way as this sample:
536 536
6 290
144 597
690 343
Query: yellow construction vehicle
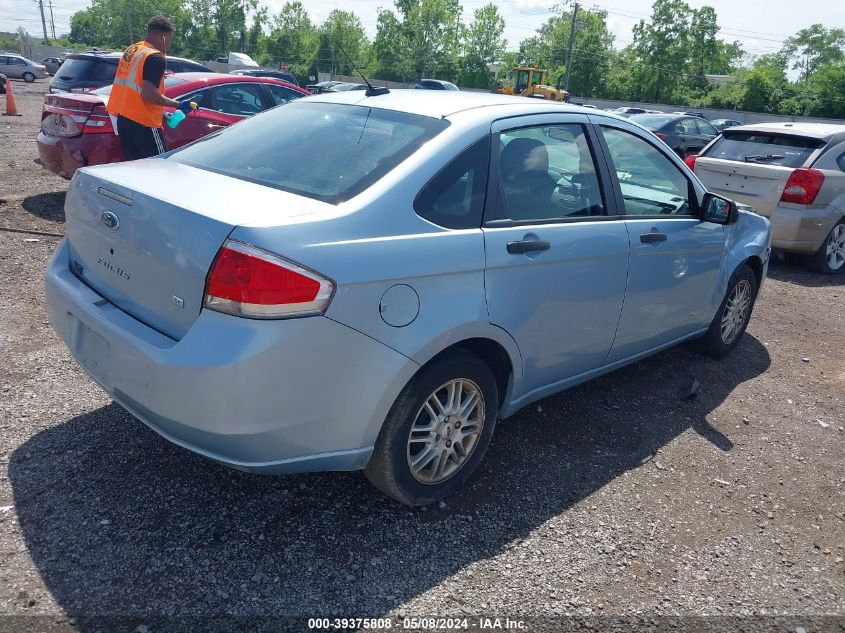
530 81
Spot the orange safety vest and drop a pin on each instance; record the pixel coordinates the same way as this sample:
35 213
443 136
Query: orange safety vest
125 98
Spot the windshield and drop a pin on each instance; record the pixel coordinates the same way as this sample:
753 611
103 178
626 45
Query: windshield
764 147
521 80
325 151
169 82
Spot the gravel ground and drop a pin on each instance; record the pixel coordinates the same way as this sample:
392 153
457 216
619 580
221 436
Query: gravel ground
617 498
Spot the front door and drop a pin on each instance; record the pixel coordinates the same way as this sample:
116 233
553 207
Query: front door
675 257
556 265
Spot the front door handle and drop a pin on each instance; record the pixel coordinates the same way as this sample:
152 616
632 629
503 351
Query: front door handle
652 238
527 246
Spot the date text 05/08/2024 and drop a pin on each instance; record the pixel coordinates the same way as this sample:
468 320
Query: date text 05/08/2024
411 624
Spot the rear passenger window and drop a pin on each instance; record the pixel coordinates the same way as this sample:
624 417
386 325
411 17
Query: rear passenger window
548 173
651 184
454 198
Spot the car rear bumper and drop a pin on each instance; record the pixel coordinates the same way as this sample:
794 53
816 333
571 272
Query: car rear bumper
64 155
802 230
261 395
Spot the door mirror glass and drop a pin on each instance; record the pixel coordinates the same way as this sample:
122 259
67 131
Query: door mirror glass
719 210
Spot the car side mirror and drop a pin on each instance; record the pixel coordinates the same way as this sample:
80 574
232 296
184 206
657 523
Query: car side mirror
719 210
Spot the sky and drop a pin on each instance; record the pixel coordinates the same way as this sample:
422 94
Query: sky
761 26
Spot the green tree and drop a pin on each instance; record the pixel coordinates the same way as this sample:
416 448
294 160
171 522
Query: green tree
294 40
483 45
391 59
343 31
811 47
661 46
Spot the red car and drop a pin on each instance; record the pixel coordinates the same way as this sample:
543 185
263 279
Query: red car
76 130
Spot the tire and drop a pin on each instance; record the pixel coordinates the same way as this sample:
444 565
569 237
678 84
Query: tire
830 258
28 77
717 342
390 468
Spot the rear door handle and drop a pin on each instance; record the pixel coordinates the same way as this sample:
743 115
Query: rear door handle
527 246
652 238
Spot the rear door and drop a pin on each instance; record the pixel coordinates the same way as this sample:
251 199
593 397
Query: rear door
675 257
556 265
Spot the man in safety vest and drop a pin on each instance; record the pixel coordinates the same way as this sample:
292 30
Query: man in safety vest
137 96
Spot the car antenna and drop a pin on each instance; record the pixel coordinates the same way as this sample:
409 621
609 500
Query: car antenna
371 91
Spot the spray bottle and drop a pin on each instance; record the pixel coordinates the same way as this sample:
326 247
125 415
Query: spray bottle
177 117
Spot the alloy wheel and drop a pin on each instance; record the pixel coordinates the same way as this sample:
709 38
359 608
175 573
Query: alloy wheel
835 247
736 311
445 431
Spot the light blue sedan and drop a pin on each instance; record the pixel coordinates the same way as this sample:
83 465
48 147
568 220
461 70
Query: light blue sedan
371 282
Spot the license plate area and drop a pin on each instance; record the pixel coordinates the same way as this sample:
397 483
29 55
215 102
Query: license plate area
91 350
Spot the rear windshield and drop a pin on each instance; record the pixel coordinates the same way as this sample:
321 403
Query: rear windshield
87 70
652 121
765 148
325 151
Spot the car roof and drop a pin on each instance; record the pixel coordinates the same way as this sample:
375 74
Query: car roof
821 131
213 79
445 103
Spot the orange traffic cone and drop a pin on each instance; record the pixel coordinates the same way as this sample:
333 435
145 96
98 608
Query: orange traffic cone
11 106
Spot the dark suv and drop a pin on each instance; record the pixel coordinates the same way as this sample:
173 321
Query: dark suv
83 72
265 72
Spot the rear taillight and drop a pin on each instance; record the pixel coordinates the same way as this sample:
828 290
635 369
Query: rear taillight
251 282
99 122
803 186
690 161
661 136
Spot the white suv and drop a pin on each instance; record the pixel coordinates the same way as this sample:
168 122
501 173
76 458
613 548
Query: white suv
791 173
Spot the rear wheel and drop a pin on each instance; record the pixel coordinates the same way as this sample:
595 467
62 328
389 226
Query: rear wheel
28 77
830 258
733 315
437 431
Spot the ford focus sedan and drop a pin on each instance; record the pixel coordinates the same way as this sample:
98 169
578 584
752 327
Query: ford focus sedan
446 259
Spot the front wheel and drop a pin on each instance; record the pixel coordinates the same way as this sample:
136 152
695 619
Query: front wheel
28 77
437 431
733 315
830 258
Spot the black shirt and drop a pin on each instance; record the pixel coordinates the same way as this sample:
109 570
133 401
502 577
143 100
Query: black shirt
154 67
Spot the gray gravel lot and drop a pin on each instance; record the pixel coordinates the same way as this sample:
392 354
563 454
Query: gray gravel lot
615 498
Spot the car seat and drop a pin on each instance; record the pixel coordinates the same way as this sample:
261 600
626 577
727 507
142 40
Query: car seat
528 186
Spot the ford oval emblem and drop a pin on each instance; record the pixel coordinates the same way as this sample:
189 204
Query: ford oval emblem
110 220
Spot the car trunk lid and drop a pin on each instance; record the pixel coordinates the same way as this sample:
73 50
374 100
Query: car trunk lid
757 185
65 114
144 234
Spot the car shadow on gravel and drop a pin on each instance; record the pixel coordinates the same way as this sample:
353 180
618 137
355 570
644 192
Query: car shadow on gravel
120 522
791 270
47 206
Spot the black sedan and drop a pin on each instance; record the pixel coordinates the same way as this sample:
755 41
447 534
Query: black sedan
684 134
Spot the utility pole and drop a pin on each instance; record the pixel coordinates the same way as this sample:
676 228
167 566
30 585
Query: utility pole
52 21
43 21
129 23
571 42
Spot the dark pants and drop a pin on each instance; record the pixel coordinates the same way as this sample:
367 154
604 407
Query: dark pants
139 141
